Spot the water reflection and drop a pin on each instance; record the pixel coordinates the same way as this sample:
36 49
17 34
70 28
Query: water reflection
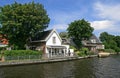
107 67
50 70
85 68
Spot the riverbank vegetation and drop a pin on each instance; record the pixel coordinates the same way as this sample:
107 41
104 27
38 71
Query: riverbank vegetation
82 51
111 42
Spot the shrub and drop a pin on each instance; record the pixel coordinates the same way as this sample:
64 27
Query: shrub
109 50
84 52
85 49
21 52
81 53
72 47
91 53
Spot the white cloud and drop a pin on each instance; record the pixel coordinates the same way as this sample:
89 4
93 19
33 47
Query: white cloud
103 24
109 16
111 12
60 26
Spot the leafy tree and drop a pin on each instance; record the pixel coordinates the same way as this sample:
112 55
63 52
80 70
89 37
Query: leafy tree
110 41
22 21
79 30
63 34
104 36
117 40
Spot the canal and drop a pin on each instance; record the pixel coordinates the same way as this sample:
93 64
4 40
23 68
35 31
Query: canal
108 67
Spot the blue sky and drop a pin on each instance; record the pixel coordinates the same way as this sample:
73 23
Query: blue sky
104 15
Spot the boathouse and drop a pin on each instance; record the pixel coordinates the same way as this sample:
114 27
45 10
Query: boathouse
93 44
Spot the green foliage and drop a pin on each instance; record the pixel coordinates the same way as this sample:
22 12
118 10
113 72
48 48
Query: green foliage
84 52
104 36
72 47
91 53
110 41
79 30
22 21
81 53
63 34
117 40
21 52
109 50
0 56
84 49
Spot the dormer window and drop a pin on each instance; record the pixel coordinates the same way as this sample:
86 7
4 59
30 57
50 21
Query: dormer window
54 40
93 40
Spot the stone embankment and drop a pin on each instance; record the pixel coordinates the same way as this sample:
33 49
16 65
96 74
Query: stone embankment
39 61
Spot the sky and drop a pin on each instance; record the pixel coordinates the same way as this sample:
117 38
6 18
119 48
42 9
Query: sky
103 15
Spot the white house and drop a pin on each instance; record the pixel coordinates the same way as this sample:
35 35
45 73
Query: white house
50 43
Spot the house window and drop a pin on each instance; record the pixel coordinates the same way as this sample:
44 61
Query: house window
54 40
93 41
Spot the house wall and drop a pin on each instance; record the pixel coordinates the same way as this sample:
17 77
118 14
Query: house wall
67 46
50 40
100 46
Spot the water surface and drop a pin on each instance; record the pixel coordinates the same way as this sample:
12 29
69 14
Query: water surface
84 68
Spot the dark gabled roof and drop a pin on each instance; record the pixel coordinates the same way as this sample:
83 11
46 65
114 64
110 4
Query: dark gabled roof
65 41
41 36
94 37
90 43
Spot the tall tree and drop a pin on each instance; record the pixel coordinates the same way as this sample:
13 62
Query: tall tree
104 36
79 30
22 21
117 40
63 34
110 41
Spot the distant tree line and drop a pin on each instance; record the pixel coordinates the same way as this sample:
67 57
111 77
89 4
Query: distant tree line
110 41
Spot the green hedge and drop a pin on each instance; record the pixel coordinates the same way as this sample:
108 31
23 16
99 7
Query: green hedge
21 52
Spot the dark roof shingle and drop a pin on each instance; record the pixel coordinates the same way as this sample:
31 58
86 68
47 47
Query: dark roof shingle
41 36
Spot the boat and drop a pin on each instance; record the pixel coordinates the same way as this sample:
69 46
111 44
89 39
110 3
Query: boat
103 54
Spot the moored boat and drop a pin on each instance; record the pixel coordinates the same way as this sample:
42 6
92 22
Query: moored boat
103 54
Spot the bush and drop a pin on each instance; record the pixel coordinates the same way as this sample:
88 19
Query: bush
21 52
72 47
84 52
91 53
109 50
81 53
